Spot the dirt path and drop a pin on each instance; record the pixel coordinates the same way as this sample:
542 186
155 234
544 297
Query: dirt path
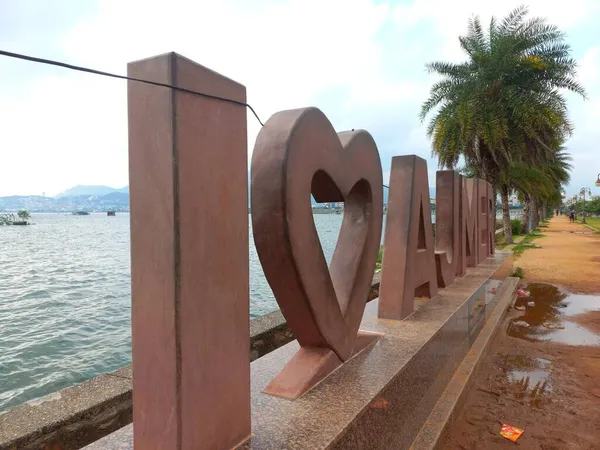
542 371
567 258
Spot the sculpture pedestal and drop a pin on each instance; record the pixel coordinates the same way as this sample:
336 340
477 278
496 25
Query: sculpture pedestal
309 366
381 398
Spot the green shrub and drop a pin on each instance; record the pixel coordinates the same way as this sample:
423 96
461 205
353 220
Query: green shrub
519 273
515 224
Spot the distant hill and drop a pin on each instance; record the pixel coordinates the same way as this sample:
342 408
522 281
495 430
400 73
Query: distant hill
95 198
86 190
117 201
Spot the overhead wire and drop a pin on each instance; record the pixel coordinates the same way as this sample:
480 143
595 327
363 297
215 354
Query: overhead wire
74 67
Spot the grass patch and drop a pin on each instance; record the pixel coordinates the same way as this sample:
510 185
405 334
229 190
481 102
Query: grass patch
527 242
519 249
593 222
519 273
533 235
379 260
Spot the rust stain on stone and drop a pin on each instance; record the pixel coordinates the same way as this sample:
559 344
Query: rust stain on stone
379 403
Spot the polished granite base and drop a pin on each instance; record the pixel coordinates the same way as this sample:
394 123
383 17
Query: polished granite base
381 398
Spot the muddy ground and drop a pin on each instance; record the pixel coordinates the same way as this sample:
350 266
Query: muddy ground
542 371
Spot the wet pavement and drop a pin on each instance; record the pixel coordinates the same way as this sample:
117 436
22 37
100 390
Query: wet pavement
548 316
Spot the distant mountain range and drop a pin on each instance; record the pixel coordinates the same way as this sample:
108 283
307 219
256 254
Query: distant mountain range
78 198
93 198
91 190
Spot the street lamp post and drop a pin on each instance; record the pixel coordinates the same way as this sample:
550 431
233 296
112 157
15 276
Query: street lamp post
583 191
598 181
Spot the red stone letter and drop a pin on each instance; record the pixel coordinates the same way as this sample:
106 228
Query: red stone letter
483 219
447 226
469 220
492 218
408 256
461 255
189 258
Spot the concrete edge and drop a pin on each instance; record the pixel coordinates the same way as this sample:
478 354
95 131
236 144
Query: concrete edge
436 428
70 418
590 227
78 415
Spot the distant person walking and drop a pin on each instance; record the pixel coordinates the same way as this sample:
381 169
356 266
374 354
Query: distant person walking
572 217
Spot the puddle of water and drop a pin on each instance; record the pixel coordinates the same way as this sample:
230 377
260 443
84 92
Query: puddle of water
528 378
547 318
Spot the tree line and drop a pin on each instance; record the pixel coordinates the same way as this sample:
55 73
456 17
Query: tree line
590 207
501 115
21 218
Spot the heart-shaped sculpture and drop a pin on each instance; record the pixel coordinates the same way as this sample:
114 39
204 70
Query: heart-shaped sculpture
298 153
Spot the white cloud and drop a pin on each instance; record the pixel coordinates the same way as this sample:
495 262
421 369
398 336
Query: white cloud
448 20
589 67
283 52
63 128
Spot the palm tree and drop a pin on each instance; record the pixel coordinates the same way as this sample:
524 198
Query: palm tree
539 185
557 172
503 105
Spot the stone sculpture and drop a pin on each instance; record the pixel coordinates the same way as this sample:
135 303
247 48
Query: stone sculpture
447 226
297 153
412 264
408 256
469 224
189 257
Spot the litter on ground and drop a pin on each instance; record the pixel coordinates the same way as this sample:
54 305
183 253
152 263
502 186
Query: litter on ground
511 433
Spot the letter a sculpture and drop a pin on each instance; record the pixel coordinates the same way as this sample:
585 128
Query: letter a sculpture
298 153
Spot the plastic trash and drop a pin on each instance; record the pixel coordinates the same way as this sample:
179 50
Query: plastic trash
511 433
521 323
553 326
531 304
523 293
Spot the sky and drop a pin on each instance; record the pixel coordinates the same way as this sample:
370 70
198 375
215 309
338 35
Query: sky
361 62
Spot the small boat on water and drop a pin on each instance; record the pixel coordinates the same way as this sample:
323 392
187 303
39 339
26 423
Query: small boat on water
111 213
81 213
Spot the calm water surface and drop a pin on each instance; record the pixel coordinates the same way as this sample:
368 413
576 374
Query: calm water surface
65 300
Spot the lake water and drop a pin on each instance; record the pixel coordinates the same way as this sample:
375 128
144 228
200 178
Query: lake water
65 300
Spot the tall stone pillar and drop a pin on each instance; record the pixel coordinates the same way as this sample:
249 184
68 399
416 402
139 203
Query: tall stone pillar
189 257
